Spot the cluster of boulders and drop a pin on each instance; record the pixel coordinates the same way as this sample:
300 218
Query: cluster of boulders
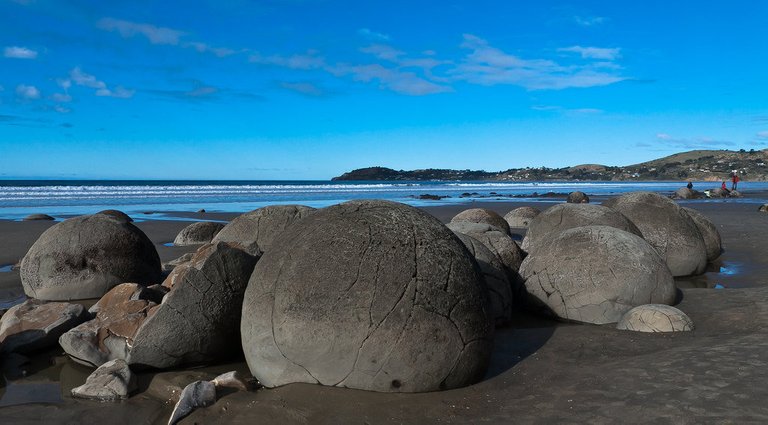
719 192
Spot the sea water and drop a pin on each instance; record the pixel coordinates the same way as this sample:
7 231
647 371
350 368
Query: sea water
19 198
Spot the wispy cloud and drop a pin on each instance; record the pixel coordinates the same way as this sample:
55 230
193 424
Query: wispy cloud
762 135
593 52
127 29
206 48
568 111
487 65
61 97
304 88
25 92
80 78
16 52
373 35
309 60
692 143
403 82
589 21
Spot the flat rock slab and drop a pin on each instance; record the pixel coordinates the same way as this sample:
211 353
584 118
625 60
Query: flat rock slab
112 381
34 324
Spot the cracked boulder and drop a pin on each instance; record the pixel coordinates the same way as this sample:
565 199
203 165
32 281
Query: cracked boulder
34 325
655 318
198 233
496 279
112 381
595 274
577 197
84 257
483 216
709 232
495 239
372 295
255 231
554 220
667 227
521 217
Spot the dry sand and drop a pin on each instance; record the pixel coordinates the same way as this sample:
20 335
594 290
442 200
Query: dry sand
542 371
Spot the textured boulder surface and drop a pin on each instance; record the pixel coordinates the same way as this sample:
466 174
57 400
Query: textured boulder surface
372 295
554 220
496 279
709 232
595 274
495 239
655 318
84 257
194 395
255 231
170 265
198 233
34 325
111 381
577 197
521 217
667 227
484 216
117 214
685 193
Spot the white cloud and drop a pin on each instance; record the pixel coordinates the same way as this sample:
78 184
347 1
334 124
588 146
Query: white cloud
594 52
61 97
17 52
372 35
307 89
383 52
62 109
87 80
127 29
310 60
392 79
118 92
206 48
762 134
588 21
83 79
26 92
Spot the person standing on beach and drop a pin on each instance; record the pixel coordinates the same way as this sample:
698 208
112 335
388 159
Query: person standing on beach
690 185
734 181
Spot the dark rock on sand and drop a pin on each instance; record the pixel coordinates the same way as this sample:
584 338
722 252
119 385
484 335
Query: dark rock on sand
496 279
686 193
577 197
117 214
198 233
521 217
655 318
484 216
496 240
84 257
558 218
35 217
429 197
112 381
255 231
709 232
667 227
34 325
763 208
372 295
595 274
194 395
719 193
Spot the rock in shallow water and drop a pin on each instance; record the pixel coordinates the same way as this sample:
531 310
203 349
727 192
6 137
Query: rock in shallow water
112 381
655 318
35 324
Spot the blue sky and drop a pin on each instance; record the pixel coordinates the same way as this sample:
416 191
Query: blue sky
308 89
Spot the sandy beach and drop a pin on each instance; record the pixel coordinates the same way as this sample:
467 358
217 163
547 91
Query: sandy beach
542 371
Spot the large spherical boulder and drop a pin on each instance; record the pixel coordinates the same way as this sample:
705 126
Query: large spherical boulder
117 214
495 239
198 233
667 228
556 219
595 274
84 257
372 295
577 197
255 231
655 318
521 217
496 279
708 230
484 216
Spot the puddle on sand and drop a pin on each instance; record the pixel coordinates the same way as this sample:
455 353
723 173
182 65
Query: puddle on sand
168 244
44 377
6 268
717 276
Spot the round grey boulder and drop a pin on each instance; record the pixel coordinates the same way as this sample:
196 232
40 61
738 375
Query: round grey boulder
655 318
558 218
577 197
84 257
595 274
117 214
198 233
255 231
686 193
709 232
372 295
667 227
484 216
521 217
495 239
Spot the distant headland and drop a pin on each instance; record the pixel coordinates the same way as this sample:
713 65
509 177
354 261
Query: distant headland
699 165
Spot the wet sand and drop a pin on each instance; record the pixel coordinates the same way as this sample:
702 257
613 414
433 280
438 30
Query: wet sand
542 371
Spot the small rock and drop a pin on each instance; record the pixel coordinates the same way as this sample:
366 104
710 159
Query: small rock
201 210
655 318
763 208
35 217
34 324
577 197
194 395
112 381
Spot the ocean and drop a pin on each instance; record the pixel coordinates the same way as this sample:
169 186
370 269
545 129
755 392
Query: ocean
19 198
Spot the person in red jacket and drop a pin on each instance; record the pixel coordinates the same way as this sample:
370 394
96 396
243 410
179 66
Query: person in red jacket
734 181
722 186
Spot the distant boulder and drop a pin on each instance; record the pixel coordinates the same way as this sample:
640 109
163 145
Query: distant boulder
577 197
496 240
484 216
198 233
521 217
255 231
38 217
763 208
686 193
655 318
709 232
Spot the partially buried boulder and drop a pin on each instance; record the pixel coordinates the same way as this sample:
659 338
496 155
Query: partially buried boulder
556 219
372 295
483 216
667 227
708 231
595 274
117 214
38 217
34 325
655 318
521 217
577 197
495 239
112 381
255 231
84 257
198 233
